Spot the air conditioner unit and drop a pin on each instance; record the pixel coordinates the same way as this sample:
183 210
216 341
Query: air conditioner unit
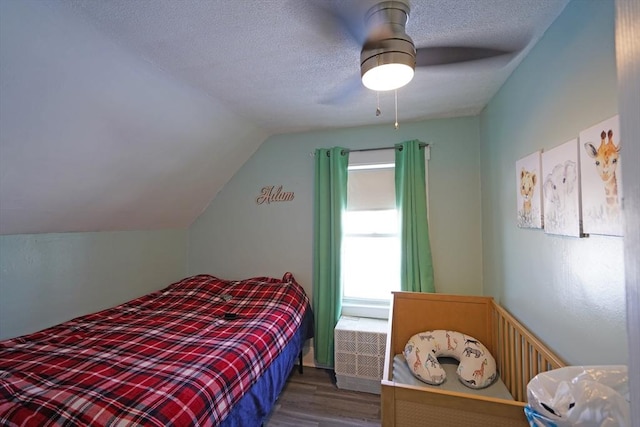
360 345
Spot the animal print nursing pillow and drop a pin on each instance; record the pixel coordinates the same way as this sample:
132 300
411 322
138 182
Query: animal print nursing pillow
477 368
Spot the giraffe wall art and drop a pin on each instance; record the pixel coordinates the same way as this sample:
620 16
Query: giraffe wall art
601 178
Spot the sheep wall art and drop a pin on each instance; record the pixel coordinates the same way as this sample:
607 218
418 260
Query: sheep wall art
529 194
601 178
561 190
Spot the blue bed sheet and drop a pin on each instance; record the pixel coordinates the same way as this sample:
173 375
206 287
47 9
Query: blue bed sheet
256 405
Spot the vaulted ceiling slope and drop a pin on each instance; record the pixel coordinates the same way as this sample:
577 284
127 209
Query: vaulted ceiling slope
95 138
131 115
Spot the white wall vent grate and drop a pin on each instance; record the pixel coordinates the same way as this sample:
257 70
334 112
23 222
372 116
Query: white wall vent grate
359 353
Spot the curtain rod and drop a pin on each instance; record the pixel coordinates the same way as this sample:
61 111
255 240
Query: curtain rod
360 150
422 145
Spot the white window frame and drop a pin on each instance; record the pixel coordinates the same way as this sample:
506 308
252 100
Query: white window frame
362 307
367 307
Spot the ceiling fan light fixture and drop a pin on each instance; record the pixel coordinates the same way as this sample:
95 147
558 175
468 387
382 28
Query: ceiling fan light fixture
387 76
388 58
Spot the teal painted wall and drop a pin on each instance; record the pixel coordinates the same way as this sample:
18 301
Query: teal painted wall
569 291
236 238
49 278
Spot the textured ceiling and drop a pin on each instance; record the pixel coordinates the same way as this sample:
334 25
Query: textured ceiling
283 65
132 114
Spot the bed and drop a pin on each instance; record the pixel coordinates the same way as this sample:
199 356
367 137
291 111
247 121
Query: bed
172 357
518 353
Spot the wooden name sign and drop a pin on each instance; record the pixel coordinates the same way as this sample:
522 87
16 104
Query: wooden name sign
271 193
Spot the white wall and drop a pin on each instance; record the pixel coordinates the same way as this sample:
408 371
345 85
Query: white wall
569 291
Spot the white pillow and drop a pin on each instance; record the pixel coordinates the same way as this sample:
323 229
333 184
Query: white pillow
477 368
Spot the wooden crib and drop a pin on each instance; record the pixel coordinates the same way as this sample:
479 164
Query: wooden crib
518 353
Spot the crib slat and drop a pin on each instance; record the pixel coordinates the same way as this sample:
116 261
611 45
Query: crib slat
518 366
505 342
527 362
520 355
512 360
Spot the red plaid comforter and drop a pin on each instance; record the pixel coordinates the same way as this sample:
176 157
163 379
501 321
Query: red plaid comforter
167 358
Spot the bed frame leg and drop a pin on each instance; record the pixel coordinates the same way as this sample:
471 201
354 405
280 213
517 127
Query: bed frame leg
300 361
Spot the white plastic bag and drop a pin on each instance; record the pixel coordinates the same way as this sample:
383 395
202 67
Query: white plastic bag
579 396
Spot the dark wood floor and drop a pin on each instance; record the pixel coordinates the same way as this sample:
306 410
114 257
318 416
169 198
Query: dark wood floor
312 399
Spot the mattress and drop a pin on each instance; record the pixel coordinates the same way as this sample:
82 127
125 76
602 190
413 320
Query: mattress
172 357
402 374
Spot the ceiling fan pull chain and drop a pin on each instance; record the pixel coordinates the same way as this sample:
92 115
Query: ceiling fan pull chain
396 96
378 112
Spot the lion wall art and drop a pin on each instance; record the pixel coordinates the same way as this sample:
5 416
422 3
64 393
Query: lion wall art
529 194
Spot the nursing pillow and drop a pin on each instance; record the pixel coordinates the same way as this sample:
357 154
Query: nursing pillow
477 368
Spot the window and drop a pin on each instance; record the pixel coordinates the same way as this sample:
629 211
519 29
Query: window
371 253
370 241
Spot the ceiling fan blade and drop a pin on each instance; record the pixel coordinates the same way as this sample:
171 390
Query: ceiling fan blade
335 19
344 92
429 56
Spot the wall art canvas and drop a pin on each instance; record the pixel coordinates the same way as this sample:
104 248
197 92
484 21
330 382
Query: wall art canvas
529 193
561 190
601 178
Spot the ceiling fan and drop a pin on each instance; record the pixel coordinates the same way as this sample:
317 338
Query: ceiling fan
388 58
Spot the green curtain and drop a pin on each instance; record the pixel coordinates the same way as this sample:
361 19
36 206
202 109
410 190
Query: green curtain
416 265
330 202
